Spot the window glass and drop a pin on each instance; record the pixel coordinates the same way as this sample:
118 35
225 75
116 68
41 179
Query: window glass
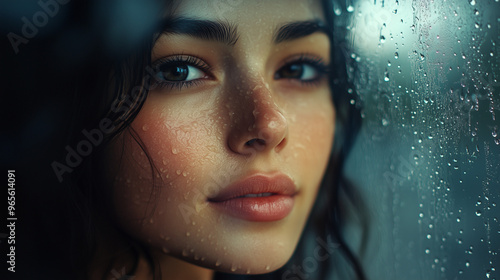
427 159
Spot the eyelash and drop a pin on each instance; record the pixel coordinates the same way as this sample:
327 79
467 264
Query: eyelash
317 63
180 60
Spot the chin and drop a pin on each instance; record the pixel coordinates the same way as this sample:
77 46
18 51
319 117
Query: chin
244 261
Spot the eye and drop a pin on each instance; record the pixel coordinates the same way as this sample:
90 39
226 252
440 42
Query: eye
306 69
179 72
299 71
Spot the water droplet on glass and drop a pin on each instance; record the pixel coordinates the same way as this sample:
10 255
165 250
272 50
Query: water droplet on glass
382 39
472 2
350 8
396 55
478 213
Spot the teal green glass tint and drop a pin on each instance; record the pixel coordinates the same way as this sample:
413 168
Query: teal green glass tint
428 157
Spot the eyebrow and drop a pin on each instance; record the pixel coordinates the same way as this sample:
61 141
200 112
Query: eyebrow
218 31
226 33
298 29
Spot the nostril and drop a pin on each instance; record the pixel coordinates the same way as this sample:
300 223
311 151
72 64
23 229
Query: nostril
255 141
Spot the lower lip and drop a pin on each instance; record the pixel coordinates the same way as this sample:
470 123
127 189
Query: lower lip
258 209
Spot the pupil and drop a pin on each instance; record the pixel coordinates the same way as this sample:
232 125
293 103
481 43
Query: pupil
293 71
176 73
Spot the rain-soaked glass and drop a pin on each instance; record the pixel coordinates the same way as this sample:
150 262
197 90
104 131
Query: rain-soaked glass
428 156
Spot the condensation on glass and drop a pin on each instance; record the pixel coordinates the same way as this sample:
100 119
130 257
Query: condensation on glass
428 77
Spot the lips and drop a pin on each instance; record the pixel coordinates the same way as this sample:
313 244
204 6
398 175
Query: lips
258 197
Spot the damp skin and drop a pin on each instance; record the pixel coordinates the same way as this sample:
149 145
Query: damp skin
195 136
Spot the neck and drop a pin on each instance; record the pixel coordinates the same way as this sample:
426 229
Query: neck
174 268
115 258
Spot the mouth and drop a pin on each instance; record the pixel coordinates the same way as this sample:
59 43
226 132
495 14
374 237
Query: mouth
259 198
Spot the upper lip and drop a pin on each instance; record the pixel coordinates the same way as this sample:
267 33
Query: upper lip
277 184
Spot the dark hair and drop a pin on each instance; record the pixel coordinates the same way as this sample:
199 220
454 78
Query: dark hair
74 205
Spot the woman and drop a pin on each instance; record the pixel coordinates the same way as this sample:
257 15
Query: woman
211 147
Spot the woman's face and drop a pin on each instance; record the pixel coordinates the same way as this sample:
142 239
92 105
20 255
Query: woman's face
239 126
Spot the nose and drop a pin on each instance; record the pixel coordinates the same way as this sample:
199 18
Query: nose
259 124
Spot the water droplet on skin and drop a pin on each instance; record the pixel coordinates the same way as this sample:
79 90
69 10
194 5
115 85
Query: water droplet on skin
184 173
165 250
145 127
166 238
196 257
193 223
188 234
233 268
151 221
199 206
185 253
128 181
175 151
268 267
217 263
178 172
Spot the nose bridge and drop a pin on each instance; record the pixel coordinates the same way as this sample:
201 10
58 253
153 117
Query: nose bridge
262 124
266 112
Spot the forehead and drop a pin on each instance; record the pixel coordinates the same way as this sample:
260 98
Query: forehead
250 12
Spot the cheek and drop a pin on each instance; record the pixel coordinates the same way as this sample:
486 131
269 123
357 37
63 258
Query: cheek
181 147
312 126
